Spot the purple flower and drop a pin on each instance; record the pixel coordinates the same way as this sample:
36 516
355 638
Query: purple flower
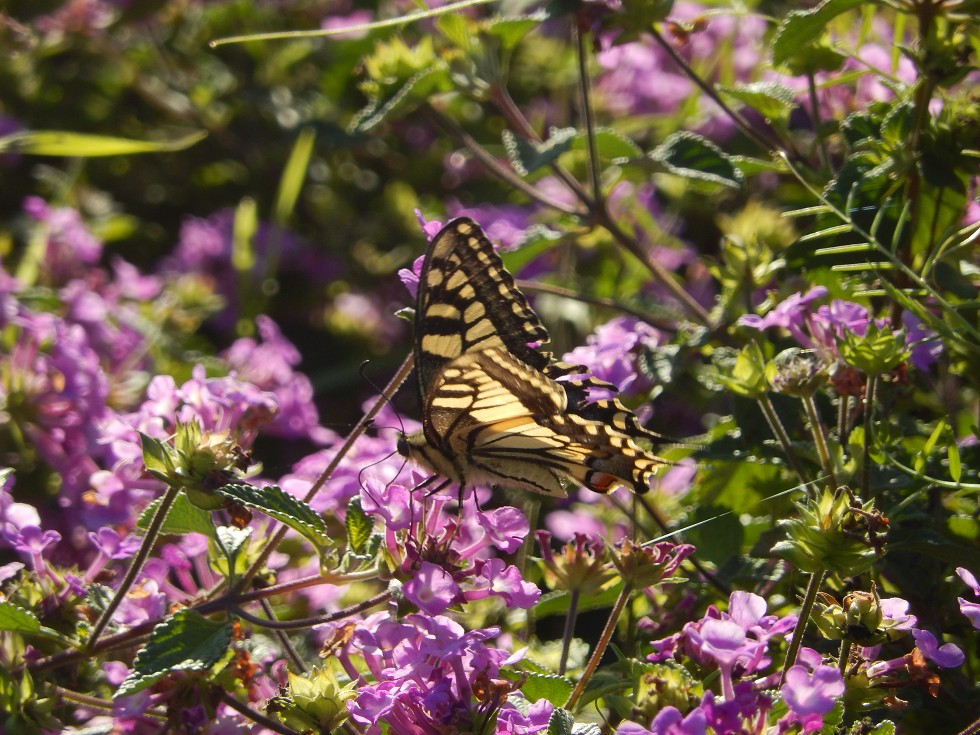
431 589
812 692
970 609
612 353
71 246
494 577
946 656
269 365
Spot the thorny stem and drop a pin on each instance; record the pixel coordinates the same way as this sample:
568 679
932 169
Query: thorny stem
152 532
601 646
797 640
359 428
869 397
819 438
569 632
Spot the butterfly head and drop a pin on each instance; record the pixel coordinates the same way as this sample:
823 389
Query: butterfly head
414 447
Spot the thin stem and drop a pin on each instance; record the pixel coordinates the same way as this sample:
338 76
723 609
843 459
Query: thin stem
819 438
255 716
842 657
779 431
585 85
152 532
843 420
569 632
815 117
495 167
359 428
302 623
601 646
869 395
797 640
567 293
287 645
741 122
971 729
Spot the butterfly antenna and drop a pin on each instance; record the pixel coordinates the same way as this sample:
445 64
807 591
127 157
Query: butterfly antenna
381 392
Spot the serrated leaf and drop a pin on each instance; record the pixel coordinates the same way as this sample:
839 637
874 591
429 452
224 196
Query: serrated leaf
693 157
277 503
561 722
802 28
586 728
17 619
752 166
556 689
611 145
527 156
83 145
184 517
416 89
186 642
511 31
773 101
359 526
231 540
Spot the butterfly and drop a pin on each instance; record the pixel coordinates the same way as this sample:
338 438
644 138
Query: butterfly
496 411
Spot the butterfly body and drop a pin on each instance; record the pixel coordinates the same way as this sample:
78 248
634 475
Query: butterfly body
496 410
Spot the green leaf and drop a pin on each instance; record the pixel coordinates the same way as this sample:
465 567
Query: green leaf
749 166
527 156
611 144
511 31
359 526
773 101
556 689
186 642
65 143
556 603
277 503
416 89
159 458
955 464
693 157
17 619
231 540
923 455
184 517
803 28
561 722
293 175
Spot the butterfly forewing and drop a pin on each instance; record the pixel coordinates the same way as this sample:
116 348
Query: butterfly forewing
467 302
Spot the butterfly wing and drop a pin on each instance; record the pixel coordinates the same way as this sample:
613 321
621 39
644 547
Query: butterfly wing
509 424
467 302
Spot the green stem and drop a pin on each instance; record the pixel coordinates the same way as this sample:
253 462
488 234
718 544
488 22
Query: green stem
845 650
869 394
569 632
819 439
779 431
601 646
811 597
152 532
588 113
815 116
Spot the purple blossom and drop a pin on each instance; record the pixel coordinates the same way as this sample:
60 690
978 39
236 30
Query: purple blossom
612 352
946 656
814 692
268 364
71 246
431 589
970 609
